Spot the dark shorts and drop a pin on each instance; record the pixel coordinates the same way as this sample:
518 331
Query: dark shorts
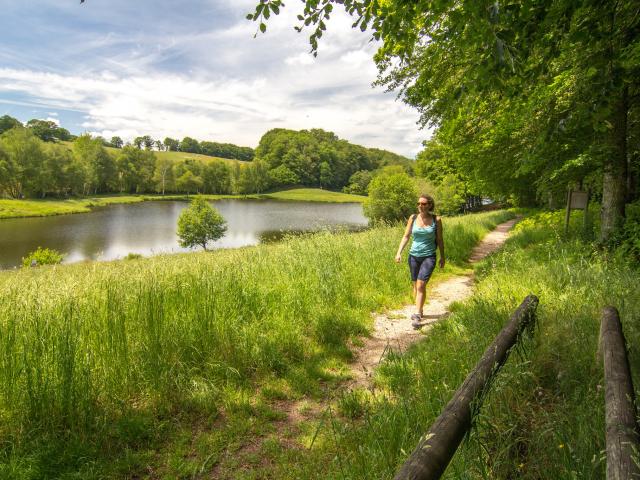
421 268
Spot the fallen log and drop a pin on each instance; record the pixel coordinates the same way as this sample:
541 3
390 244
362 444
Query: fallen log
620 410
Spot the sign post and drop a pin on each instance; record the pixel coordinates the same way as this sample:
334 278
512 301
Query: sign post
577 200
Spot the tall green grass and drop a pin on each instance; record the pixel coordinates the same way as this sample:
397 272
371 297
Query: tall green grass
544 415
101 353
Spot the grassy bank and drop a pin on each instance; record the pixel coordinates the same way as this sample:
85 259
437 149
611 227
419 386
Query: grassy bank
157 367
46 207
544 417
315 195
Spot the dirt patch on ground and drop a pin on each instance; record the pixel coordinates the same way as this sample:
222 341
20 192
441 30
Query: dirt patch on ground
393 331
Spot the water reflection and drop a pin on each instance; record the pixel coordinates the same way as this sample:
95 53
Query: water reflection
150 227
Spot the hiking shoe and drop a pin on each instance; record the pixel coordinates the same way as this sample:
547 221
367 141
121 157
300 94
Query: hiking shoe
416 320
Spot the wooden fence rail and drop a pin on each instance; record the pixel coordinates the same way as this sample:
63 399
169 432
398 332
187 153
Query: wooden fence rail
434 451
620 411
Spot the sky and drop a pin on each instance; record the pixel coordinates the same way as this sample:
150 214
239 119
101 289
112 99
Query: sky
193 68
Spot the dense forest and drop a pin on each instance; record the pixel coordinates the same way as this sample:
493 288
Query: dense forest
41 159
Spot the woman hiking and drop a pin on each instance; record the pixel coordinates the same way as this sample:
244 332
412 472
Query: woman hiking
426 230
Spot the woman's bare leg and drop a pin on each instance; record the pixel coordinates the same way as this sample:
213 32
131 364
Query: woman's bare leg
419 290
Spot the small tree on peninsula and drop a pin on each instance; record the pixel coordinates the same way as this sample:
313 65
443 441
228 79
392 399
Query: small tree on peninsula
199 224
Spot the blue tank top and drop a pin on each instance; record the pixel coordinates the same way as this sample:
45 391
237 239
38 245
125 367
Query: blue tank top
424 240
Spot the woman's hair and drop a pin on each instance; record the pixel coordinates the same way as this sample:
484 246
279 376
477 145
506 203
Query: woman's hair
429 198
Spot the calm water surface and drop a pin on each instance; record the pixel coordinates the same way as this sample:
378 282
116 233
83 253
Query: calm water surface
149 228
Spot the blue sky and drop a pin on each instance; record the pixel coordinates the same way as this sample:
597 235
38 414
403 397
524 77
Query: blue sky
168 68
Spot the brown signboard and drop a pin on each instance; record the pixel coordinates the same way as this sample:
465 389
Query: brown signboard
579 200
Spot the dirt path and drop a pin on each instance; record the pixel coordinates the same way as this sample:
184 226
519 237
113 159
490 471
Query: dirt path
393 330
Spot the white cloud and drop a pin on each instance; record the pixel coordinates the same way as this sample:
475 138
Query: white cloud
54 120
356 58
302 58
224 85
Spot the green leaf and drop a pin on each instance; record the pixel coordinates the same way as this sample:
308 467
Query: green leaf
263 27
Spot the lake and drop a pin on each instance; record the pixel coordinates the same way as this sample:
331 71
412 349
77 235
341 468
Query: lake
148 228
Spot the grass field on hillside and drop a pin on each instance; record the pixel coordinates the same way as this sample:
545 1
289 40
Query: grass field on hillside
157 367
177 156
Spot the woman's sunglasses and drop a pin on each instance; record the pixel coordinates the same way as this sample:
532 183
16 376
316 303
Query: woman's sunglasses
423 204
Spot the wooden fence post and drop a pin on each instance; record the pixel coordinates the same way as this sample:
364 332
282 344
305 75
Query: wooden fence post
567 215
621 426
435 449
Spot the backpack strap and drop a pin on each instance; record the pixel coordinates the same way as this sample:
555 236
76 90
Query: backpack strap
413 220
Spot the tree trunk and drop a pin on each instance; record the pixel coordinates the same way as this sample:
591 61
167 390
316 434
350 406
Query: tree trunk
614 178
632 180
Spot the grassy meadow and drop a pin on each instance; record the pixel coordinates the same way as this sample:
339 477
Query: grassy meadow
544 415
166 367
47 207
179 156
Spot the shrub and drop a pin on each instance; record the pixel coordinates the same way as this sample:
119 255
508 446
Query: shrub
200 224
391 198
42 256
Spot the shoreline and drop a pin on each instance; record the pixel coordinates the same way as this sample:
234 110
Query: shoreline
10 208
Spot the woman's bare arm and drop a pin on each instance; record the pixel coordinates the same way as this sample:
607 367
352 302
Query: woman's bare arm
440 241
405 238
